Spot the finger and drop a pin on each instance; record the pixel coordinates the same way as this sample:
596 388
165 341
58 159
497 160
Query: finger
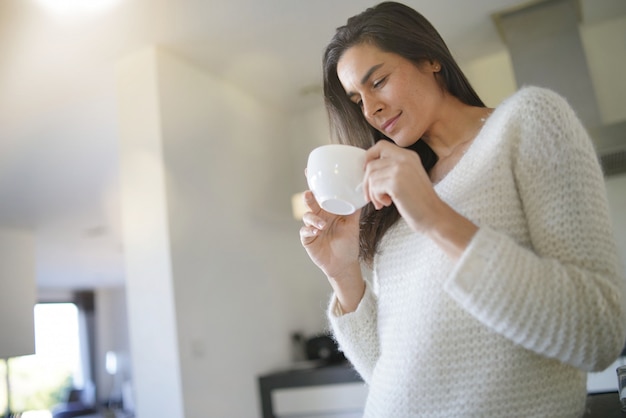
308 234
372 171
382 201
376 201
372 153
312 220
310 202
385 200
377 192
380 149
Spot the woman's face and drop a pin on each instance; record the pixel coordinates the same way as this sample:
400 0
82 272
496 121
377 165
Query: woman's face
397 97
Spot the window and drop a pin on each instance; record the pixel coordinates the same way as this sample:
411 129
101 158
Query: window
40 381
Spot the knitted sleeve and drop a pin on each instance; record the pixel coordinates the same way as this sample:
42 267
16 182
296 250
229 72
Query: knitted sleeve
356 333
562 298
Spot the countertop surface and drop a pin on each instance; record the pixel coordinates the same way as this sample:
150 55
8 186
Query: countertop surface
599 405
604 405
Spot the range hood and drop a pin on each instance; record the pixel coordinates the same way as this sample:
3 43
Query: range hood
544 42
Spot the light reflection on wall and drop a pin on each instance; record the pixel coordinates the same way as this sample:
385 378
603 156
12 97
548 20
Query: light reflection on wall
77 7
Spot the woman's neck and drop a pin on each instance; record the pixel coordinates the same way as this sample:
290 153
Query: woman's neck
452 135
457 126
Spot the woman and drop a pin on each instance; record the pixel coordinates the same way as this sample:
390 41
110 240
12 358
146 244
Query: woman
496 283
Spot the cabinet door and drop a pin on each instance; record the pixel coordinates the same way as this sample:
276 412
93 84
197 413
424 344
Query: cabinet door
341 400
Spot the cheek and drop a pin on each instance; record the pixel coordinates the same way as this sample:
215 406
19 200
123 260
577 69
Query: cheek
423 101
418 105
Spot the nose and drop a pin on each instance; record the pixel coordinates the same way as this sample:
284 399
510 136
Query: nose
371 106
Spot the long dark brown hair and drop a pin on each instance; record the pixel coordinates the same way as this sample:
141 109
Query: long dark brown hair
396 28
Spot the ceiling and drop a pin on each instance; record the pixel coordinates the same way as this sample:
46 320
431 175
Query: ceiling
58 129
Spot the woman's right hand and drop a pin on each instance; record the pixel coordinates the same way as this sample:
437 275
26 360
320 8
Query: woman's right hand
332 241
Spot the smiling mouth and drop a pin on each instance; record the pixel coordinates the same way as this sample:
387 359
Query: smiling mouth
390 123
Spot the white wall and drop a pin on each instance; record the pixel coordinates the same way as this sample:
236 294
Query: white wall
308 129
240 280
491 76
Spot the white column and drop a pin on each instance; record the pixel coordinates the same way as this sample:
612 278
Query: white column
149 281
17 294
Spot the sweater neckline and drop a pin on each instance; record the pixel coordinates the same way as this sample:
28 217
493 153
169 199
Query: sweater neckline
468 155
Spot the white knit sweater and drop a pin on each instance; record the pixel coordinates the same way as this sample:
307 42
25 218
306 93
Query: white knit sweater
535 301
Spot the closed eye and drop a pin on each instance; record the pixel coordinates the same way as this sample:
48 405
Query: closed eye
356 99
375 85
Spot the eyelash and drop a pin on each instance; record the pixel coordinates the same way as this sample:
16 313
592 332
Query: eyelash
375 85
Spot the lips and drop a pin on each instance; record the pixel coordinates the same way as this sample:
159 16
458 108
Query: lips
390 123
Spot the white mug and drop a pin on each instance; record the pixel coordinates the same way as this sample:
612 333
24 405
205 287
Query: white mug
335 176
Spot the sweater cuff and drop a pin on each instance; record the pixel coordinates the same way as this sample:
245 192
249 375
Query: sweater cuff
356 332
366 305
469 272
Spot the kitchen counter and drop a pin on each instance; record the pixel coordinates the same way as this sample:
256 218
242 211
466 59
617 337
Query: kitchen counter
337 390
603 405
314 388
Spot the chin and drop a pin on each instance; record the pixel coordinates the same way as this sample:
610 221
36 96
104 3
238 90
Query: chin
406 143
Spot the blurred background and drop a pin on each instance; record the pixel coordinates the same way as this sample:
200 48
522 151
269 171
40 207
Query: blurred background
151 150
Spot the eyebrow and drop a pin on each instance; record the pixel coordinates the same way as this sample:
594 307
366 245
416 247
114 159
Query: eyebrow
366 77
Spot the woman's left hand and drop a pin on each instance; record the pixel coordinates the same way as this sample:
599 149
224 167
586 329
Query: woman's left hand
394 174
